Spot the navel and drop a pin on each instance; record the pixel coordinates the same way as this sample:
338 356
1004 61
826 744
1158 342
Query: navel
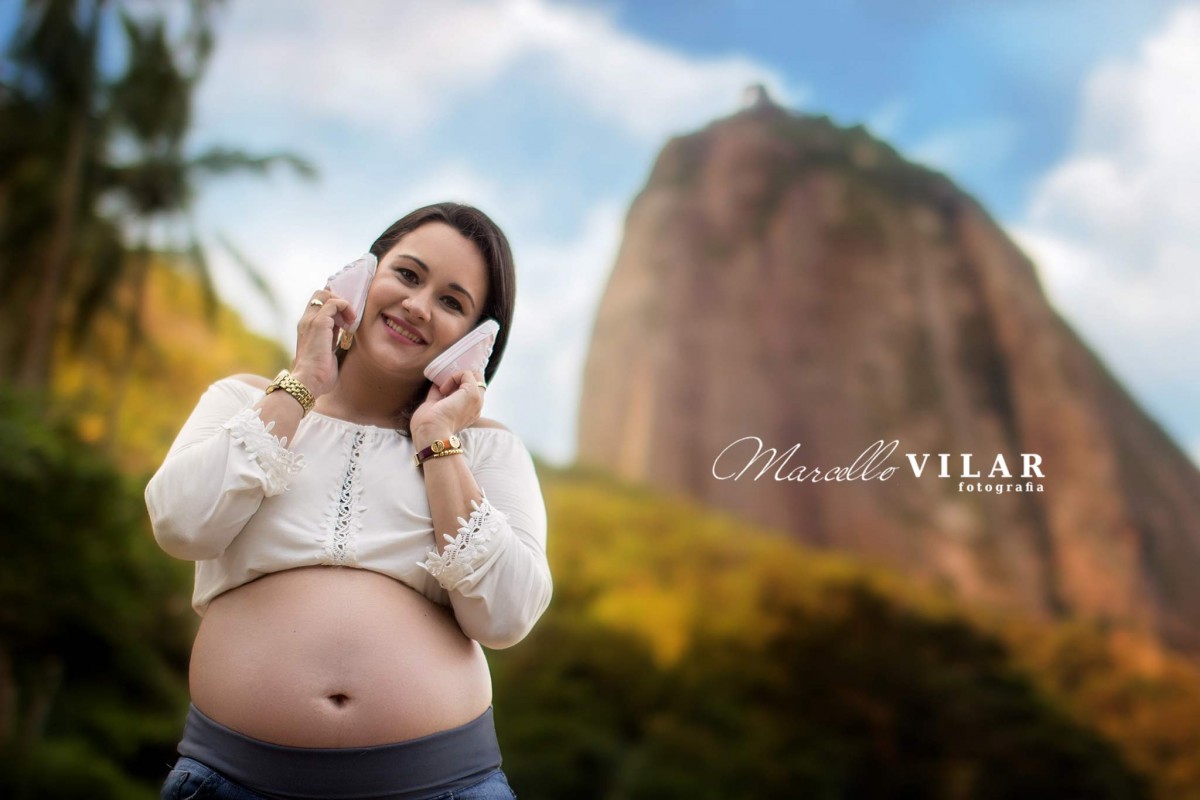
339 700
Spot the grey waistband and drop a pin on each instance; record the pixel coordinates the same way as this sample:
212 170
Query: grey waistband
417 769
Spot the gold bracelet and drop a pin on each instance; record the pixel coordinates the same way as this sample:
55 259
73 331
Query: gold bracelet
455 452
290 384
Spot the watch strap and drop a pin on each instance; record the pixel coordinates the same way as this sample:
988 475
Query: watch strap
441 447
290 384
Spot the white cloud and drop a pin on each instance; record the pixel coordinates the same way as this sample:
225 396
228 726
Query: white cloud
401 67
1115 227
371 65
646 90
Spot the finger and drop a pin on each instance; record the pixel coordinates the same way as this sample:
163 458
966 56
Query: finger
346 312
467 377
339 310
475 379
317 302
323 318
472 387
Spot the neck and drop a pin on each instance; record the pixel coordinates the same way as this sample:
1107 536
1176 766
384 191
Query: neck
368 396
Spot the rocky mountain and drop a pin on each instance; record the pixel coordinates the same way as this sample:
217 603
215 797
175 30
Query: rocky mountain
786 281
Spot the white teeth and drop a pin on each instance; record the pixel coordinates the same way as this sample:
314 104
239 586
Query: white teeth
401 331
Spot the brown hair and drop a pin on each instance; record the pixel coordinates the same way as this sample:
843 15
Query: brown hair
486 235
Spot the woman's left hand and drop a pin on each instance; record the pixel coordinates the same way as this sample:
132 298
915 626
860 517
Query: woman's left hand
443 414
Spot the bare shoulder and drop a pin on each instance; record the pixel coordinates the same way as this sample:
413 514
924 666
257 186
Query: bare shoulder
257 381
484 422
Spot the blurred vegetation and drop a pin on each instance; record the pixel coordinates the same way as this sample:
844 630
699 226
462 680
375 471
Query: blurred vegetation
95 624
95 109
95 621
687 655
95 631
185 349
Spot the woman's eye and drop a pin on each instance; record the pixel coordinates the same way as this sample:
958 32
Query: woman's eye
406 274
453 303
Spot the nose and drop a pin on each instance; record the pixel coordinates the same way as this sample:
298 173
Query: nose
417 305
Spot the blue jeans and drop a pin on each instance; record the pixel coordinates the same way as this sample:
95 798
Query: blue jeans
190 779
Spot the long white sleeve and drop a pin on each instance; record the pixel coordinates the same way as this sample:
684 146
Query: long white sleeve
216 474
495 567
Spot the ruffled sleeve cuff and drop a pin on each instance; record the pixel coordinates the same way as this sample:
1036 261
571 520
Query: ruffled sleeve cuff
270 452
467 551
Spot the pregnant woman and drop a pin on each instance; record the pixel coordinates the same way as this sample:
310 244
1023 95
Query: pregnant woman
358 536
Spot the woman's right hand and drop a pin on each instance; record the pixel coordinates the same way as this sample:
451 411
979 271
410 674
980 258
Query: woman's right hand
316 364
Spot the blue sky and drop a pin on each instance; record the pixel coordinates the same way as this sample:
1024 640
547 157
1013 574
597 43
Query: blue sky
1072 121
1003 75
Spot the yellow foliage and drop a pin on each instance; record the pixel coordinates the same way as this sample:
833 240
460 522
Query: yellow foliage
180 355
1127 687
662 568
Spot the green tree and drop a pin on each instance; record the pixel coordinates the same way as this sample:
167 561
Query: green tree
801 674
155 189
51 143
572 702
94 626
96 106
864 699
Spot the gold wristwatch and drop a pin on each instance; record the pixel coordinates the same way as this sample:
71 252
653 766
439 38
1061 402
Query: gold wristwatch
285 381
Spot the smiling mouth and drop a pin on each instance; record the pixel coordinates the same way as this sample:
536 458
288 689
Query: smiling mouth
403 332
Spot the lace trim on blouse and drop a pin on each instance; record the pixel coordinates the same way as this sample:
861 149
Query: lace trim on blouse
269 451
468 550
345 519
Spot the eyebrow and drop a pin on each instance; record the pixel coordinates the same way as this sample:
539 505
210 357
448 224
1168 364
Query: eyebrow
425 267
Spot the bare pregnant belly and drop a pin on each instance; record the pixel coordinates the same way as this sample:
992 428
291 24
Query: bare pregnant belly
335 657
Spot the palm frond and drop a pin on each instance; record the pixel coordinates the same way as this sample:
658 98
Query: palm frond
253 274
198 259
106 266
224 160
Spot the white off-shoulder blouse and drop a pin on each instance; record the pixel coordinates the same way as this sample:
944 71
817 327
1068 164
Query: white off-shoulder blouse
236 500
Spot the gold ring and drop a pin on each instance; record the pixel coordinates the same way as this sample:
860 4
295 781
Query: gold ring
481 384
316 302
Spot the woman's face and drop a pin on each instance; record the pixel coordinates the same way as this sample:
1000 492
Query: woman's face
429 290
